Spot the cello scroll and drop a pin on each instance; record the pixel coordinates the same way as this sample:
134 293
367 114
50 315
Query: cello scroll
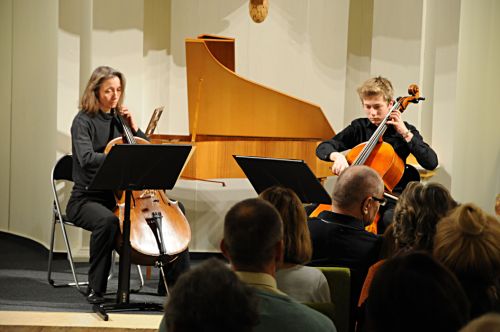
414 97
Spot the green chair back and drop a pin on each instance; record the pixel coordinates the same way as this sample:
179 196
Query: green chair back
339 280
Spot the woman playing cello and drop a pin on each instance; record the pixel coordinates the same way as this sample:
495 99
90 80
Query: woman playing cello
92 128
377 98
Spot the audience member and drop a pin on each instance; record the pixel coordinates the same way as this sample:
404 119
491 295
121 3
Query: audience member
303 283
418 209
253 243
210 298
468 243
339 237
413 292
417 212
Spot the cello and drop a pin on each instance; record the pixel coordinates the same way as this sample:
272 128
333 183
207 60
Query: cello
380 155
159 231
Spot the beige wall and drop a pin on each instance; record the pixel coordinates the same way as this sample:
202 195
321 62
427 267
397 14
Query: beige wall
476 138
315 50
359 50
6 18
33 115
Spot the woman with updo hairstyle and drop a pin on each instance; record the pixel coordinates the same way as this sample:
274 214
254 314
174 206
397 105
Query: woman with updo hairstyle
302 283
418 210
468 243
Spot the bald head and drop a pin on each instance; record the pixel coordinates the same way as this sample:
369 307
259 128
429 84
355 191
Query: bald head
354 185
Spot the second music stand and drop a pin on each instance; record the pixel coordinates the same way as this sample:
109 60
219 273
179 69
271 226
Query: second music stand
265 172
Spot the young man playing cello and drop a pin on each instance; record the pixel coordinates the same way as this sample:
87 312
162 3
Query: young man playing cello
377 98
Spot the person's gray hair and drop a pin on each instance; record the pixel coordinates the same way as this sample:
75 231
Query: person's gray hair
354 184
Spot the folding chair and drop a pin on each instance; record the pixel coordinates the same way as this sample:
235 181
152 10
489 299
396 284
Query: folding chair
61 178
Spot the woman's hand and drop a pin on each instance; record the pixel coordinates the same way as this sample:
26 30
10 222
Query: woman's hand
125 113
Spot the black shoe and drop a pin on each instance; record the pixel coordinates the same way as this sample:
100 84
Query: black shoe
94 297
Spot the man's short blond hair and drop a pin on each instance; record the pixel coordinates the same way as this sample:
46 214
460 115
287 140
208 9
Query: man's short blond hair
376 86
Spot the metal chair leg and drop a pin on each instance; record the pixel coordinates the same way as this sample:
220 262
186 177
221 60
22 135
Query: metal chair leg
51 252
69 257
141 278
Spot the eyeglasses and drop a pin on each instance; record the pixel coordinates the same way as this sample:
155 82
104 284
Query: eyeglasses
382 200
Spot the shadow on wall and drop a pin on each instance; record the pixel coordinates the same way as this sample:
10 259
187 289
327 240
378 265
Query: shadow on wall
320 26
167 23
188 20
109 15
70 16
307 23
115 15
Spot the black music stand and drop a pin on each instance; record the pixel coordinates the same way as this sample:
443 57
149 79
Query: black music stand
136 167
291 173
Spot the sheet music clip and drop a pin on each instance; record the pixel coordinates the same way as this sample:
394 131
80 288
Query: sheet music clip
291 173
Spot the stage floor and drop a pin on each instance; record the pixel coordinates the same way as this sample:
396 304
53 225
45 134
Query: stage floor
29 303
28 321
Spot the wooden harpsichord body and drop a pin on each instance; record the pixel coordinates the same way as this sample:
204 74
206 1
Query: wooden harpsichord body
230 115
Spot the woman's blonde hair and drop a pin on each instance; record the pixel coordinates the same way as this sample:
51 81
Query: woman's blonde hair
297 240
90 101
468 242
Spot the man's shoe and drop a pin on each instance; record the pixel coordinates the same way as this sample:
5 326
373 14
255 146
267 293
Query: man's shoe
94 297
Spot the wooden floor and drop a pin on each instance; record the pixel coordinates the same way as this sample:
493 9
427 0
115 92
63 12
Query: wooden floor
30 321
